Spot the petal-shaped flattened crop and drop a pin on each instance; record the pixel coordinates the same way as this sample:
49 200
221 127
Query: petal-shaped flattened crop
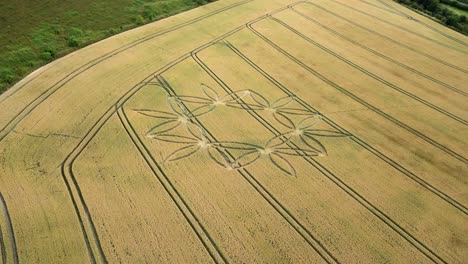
219 157
258 99
234 145
235 96
193 99
182 153
314 144
295 111
196 131
163 127
284 101
283 120
295 151
325 133
278 141
201 110
210 92
283 164
309 122
174 138
177 106
156 113
246 159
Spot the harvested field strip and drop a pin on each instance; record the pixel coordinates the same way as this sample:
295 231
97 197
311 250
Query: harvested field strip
403 28
364 103
382 43
399 43
448 86
359 141
51 90
366 72
9 235
381 215
422 23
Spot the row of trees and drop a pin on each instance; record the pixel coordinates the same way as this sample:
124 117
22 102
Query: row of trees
443 14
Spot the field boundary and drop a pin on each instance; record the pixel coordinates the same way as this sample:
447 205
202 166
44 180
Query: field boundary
52 89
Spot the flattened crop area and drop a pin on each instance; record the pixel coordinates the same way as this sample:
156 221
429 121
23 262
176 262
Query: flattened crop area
255 131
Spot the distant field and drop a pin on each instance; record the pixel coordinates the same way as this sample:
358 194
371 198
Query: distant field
244 131
33 33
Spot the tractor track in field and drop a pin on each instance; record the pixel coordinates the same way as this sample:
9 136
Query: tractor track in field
410 31
96 127
370 74
356 43
356 139
359 100
390 39
151 161
420 22
271 199
210 245
351 192
6 130
67 165
2 247
10 233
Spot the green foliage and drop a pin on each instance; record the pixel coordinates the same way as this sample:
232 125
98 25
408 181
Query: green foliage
440 12
27 45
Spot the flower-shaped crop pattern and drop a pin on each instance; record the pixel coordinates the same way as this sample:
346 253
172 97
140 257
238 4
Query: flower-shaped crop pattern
275 150
212 99
180 126
180 115
306 131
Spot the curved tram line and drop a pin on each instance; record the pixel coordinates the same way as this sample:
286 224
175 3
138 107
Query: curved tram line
422 23
6 130
270 199
370 74
337 181
67 165
410 31
390 39
356 43
118 107
10 231
359 100
356 139
68 177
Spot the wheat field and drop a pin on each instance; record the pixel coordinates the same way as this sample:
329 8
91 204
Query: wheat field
254 131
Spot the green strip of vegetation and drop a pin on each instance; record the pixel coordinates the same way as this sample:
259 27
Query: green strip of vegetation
443 12
33 33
